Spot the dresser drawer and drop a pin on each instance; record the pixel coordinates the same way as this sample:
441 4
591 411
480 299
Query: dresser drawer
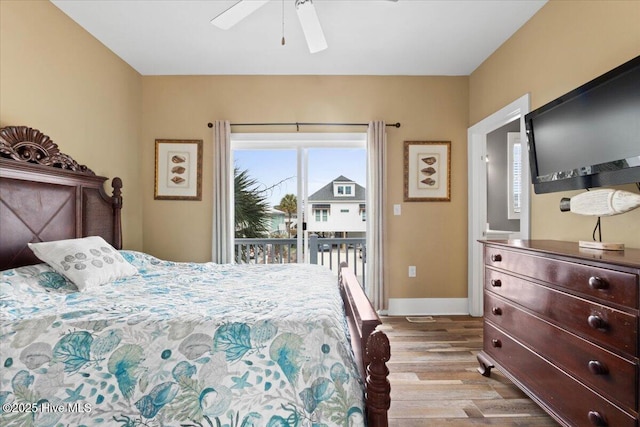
608 285
612 375
551 386
612 328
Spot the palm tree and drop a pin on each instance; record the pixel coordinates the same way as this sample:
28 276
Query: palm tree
251 207
289 205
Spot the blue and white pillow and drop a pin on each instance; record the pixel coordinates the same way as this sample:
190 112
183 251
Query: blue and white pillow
87 262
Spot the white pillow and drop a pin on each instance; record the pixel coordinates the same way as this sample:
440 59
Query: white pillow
87 262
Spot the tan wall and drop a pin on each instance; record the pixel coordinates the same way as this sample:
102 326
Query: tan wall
431 236
566 44
57 78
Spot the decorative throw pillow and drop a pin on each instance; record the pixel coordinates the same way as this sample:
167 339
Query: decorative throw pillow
87 262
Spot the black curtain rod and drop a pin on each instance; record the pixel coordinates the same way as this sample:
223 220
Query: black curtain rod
298 124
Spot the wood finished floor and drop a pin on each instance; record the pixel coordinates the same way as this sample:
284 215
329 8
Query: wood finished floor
435 382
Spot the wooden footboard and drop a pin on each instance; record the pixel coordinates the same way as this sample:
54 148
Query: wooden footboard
371 347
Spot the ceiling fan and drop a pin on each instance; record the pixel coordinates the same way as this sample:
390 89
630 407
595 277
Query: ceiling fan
306 14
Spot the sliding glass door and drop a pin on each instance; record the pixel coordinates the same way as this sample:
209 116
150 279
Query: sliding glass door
307 184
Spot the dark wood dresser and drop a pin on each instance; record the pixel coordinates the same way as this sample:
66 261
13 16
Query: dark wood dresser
562 323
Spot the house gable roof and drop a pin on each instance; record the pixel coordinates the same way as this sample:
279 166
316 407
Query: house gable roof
326 192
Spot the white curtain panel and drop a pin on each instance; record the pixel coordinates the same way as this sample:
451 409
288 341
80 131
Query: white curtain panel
376 201
222 239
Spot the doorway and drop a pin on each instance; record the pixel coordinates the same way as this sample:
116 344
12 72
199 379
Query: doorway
479 227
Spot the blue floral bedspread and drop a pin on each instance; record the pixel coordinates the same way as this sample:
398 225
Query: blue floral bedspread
179 344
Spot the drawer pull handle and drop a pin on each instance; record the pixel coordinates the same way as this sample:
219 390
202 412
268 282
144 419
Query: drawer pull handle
597 322
597 419
496 257
497 311
496 283
597 283
496 343
598 368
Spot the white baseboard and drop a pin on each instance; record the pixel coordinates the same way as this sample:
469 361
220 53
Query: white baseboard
427 306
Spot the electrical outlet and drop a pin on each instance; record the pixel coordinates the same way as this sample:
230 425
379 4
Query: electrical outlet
412 271
397 209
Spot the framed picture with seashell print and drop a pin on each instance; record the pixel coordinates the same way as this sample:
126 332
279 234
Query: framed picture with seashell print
178 169
427 171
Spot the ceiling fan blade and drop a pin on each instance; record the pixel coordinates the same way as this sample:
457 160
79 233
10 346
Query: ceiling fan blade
311 25
236 13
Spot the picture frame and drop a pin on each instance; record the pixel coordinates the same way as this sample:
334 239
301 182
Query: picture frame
427 171
178 170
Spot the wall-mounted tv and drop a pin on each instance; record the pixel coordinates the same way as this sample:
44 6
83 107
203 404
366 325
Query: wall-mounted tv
589 137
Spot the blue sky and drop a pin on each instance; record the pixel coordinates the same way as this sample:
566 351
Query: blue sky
325 164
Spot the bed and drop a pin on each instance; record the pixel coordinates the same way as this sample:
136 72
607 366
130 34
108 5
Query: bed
127 339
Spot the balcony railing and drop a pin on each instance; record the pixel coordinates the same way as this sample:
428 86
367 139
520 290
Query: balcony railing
329 252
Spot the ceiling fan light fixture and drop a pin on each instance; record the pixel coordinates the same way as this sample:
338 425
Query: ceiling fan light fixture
236 13
311 26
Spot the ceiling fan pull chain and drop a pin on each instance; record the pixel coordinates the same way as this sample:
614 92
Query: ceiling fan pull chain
282 22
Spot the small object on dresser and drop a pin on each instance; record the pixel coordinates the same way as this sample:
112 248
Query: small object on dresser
604 202
602 246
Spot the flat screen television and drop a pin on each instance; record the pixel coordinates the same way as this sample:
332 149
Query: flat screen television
589 137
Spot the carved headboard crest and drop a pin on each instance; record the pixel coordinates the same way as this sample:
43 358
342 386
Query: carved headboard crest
26 144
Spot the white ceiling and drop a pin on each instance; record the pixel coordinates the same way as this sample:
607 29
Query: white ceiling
365 37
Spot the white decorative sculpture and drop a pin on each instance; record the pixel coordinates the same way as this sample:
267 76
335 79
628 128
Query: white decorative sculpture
605 202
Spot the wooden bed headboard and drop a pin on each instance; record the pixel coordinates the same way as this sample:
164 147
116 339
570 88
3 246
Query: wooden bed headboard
45 195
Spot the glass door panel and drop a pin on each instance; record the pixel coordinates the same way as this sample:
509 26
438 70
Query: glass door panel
273 178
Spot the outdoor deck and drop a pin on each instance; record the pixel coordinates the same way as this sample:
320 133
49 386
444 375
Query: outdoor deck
329 252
